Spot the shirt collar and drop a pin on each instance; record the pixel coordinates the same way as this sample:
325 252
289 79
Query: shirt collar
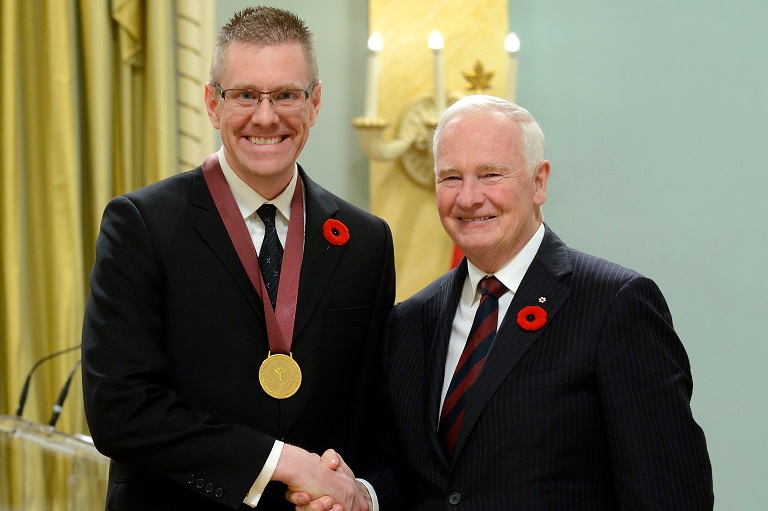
511 274
249 200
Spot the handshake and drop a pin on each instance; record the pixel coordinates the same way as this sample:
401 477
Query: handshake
320 483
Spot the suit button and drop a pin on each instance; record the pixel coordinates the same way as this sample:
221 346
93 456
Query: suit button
199 484
209 488
190 478
454 498
218 493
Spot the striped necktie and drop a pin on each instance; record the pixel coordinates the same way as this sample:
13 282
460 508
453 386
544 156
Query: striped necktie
471 362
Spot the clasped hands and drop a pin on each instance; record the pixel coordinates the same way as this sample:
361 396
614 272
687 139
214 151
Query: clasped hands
321 483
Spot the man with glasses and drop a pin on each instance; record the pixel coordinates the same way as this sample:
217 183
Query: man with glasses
236 311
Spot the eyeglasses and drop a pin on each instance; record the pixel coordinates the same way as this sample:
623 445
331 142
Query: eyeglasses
286 99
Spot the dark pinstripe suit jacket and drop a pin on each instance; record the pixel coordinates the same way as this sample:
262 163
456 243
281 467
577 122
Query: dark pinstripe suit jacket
590 412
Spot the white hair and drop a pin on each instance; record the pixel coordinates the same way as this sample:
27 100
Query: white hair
532 140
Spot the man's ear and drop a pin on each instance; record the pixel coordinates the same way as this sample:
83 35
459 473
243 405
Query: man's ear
315 99
212 104
540 180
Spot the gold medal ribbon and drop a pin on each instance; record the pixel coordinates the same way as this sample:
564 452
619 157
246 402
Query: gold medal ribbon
280 322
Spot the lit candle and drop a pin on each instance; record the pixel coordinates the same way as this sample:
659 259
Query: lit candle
512 45
435 42
375 44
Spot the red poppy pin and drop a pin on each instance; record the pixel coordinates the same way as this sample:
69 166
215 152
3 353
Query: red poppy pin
335 232
531 318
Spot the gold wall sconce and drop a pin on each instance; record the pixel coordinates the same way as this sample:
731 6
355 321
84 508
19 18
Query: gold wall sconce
412 143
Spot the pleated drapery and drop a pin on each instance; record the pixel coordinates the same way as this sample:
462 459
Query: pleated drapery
91 110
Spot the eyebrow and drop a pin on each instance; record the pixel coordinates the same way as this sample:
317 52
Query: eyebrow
251 87
492 166
482 166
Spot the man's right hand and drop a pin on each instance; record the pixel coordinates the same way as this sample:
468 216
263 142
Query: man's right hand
319 484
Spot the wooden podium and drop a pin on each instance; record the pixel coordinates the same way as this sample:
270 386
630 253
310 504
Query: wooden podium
48 469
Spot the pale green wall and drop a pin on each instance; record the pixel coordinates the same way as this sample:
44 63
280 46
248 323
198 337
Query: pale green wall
656 117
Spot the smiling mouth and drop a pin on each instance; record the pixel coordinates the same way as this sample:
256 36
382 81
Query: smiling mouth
470 220
265 140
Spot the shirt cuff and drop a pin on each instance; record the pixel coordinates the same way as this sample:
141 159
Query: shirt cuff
374 497
253 496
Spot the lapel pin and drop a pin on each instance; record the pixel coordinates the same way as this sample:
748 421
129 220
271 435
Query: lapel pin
531 318
542 299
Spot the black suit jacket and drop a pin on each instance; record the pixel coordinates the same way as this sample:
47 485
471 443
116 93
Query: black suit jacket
174 335
590 412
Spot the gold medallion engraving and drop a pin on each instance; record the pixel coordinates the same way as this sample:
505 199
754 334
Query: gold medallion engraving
280 376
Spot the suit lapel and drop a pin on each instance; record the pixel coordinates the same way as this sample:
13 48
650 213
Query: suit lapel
320 260
211 229
439 312
541 281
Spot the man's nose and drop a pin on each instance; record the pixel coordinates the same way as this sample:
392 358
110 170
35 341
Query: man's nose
264 112
470 193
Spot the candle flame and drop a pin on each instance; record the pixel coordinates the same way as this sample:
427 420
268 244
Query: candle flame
512 43
375 42
435 41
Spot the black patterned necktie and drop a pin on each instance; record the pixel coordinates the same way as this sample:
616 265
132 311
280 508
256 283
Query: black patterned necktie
478 345
271 253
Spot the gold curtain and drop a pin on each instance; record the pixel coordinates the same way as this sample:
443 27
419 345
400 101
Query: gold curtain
89 112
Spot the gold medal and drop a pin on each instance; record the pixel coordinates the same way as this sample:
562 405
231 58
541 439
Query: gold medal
280 376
